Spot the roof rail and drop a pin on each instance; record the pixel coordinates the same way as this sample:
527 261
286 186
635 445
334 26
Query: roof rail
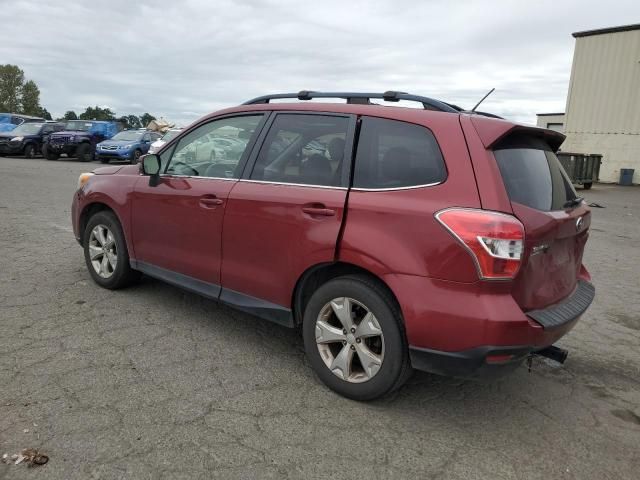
359 97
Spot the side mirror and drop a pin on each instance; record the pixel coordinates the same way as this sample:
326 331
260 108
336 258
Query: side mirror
150 165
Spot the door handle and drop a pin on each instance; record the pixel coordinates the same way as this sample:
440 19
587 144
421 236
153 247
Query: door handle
210 201
319 211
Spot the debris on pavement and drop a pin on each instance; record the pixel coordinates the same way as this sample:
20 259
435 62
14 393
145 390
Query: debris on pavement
596 205
29 456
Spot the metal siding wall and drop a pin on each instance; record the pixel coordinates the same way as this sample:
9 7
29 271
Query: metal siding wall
603 105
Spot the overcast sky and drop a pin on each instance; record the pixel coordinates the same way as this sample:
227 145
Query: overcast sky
182 59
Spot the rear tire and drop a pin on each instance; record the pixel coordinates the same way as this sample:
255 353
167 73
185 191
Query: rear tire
385 354
29 151
105 252
587 186
83 152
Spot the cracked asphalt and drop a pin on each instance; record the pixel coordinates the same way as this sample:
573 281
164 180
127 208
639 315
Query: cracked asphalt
155 383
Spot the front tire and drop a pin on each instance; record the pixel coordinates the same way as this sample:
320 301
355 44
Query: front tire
48 154
29 151
135 157
83 152
354 338
105 252
587 186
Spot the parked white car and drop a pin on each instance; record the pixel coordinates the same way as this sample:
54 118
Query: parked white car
158 144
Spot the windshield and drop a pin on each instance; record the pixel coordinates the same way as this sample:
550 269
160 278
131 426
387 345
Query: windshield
27 129
128 136
78 125
169 135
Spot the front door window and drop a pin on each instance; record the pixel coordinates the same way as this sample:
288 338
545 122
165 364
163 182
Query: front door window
215 149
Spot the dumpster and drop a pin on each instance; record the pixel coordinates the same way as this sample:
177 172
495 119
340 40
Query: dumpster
582 168
626 176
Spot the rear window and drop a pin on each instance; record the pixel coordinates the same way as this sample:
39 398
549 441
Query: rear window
532 174
394 154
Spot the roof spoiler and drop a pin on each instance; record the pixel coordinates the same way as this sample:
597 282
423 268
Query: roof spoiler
491 131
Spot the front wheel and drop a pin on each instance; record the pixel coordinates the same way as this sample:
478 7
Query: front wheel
83 152
29 151
354 338
105 252
135 157
48 154
587 186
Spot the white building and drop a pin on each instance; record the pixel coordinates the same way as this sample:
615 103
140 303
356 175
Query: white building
603 104
552 121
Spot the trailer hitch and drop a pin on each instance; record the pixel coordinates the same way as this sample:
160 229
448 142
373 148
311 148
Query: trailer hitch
554 353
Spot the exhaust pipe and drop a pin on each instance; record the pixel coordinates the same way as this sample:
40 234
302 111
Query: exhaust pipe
554 353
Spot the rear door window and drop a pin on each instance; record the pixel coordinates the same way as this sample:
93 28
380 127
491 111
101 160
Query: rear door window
394 154
533 175
303 149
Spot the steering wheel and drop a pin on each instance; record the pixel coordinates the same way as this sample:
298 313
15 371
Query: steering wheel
217 170
184 170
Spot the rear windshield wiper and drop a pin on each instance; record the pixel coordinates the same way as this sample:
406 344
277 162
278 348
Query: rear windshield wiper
573 202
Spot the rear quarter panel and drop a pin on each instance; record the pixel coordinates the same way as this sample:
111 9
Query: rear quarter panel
395 231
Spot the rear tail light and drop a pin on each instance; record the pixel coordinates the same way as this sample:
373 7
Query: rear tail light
494 240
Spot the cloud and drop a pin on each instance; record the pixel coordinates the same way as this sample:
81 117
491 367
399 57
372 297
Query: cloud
181 60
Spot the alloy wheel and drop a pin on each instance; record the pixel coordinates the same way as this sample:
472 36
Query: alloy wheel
350 340
103 251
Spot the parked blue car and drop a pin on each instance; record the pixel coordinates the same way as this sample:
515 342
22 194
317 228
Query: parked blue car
128 145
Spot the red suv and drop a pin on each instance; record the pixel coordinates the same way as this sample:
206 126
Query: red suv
397 238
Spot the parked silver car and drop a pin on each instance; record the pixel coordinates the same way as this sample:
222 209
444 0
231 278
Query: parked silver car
161 142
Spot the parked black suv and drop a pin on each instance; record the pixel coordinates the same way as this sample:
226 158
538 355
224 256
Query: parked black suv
27 139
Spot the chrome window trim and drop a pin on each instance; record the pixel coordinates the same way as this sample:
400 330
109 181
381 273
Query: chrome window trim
391 189
171 175
267 182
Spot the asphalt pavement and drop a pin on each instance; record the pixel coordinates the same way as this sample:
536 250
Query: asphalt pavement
152 382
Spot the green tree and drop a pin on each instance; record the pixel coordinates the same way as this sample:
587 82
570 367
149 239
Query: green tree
134 121
130 121
70 115
145 119
44 113
11 81
30 98
97 113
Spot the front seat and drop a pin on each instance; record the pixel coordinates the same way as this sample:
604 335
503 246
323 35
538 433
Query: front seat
316 170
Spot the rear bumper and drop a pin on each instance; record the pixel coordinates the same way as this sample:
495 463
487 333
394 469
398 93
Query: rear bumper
453 327
473 363
572 307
